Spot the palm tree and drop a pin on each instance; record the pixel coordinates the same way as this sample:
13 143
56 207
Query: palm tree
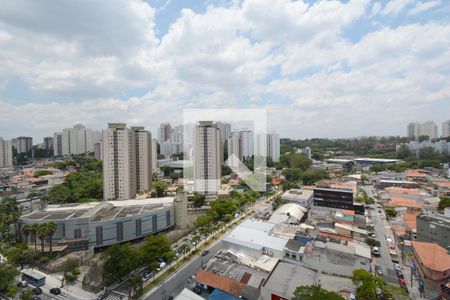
26 230
51 229
33 229
41 233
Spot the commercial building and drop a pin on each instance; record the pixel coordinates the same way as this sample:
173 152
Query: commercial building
24 144
446 128
338 195
6 154
99 224
208 158
57 144
433 266
127 166
48 143
434 228
303 197
415 130
77 140
289 213
164 131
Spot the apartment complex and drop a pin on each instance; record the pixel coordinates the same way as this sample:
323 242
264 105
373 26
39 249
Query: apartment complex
246 144
48 143
57 144
78 140
415 130
6 154
208 158
446 128
273 146
23 144
127 166
225 130
164 132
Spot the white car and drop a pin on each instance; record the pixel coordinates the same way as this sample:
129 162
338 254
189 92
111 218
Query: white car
389 240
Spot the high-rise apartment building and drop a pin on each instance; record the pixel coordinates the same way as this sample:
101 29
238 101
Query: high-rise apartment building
273 146
233 147
164 132
208 158
154 155
246 144
57 144
6 154
225 130
77 140
127 166
24 144
48 143
446 128
415 130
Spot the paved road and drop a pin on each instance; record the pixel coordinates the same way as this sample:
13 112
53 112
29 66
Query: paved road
177 281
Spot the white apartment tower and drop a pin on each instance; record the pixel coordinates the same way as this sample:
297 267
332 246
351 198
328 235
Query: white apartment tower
208 159
415 130
154 155
273 146
246 144
77 140
24 144
127 166
225 130
57 144
446 128
6 154
233 146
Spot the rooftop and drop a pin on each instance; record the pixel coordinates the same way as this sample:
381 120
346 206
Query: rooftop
404 202
222 283
433 256
297 195
289 212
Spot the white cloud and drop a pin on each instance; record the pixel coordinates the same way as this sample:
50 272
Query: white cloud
394 7
424 6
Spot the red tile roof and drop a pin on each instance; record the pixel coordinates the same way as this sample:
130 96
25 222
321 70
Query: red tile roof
433 256
410 221
222 283
404 202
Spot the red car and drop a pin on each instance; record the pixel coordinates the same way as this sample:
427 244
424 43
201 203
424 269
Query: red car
401 281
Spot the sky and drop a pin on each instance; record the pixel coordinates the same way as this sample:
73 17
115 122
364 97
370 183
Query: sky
319 68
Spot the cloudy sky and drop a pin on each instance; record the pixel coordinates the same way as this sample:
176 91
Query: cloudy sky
320 68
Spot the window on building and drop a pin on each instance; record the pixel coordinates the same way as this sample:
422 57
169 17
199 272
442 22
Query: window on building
99 235
138 227
168 218
77 233
154 223
119 231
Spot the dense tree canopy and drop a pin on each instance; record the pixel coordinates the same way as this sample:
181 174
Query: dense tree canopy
314 292
444 203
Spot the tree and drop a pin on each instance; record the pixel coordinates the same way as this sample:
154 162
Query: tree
443 203
372 242
226 170
289 185
9 213
51 229
223 207
293 174
156 247
27 295
367 284
392 292
120 261
295 160
390 211
34 229
311 176
26 230
7 275
69 269
403 152
166 170
314 292
40 173
41 233
199 199
160 188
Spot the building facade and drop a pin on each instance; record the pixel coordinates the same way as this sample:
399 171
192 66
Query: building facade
446 128
6 154
48 143
208 158
154 155
273 146
57 144
24 144
164 132
415 130
434 228
127 166
225 131
246 144
233 148
77 140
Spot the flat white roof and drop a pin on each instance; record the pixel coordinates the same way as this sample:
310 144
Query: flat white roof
255 234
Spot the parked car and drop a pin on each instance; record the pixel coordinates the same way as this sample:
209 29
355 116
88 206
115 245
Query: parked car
379 270
22 283
147 275
197 290
37 291
397 267
55 291
400 274
204 253
372 235
401 281
35 298
376 251
389 240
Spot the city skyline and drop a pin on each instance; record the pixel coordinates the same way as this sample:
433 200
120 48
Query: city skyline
338 69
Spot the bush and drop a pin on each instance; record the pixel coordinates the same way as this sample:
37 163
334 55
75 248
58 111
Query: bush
372 242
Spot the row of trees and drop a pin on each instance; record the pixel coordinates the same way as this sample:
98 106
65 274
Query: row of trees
42 231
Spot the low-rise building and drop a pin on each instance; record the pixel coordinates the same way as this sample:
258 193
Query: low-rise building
299 196
433 265
434 228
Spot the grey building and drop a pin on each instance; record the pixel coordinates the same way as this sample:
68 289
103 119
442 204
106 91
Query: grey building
100 224
434 228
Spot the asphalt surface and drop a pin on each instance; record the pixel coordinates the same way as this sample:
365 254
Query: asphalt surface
175 283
